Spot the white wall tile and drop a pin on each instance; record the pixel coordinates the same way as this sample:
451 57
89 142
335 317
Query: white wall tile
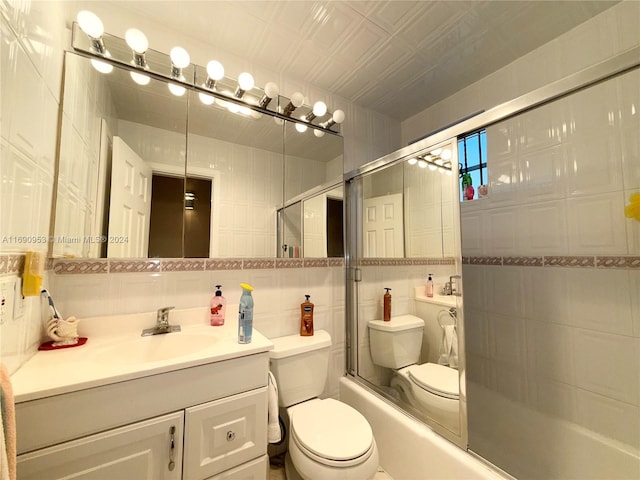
542 229
507 340
501 233
596 224
613 371
505 290
600 300
556 399
547 294
550 350
614 419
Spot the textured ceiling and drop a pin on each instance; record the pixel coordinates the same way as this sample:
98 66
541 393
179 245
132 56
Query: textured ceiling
395 57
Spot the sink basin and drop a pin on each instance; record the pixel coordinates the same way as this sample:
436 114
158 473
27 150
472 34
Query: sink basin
156 348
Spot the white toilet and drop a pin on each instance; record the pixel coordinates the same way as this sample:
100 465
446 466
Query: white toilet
432 388
328 439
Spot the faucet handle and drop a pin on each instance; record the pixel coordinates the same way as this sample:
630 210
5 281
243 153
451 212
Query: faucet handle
163 313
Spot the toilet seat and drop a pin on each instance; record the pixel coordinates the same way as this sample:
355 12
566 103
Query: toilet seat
436 379
331 432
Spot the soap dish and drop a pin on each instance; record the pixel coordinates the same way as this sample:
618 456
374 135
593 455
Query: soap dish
50 346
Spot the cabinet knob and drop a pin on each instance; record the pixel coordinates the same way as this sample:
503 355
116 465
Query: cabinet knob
231 436
172 447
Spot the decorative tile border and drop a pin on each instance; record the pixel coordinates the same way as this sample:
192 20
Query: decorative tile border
182 265
570 261
289 263
618 262
223 264
315 262
71 267
15 263
336 262
134 266
523 261
622 262
258 263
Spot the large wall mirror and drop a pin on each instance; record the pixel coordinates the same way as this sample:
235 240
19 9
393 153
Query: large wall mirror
146 173
407 208
401 228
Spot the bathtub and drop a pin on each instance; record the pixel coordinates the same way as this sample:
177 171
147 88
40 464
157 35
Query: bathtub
409 450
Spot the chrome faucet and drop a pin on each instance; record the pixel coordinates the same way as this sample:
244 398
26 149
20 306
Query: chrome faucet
450 286
162 323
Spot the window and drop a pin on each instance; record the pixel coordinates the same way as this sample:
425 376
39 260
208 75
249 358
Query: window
472 155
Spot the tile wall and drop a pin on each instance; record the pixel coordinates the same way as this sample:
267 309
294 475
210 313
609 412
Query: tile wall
31 67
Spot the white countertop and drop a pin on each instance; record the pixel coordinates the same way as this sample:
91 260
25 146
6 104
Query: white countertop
444 300
104 359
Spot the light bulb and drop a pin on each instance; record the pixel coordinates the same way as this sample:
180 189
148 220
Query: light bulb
245 110
448 173
177 90
436 152
102 67
271 90
432 167
180 57
446 154
136 40
206 99
338 116
301 128
319 109
139 78
245 80
318 133
297 99
90 23
233 108
422 164
412 161
215 70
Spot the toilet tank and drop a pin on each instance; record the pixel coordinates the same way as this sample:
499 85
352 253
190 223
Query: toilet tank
396 344
300 366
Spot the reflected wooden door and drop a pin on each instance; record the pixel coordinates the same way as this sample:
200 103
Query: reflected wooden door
383 235
130 209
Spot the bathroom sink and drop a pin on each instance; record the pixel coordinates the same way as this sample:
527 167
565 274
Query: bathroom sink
155 348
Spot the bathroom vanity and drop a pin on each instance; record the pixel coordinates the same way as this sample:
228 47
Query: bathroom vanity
185 405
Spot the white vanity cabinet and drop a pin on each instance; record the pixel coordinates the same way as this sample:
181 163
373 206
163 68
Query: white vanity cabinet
207 422
142 451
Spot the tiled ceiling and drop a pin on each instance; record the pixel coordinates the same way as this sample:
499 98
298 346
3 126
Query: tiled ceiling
395 57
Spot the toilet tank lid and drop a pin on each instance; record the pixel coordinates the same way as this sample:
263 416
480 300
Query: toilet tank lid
294 344
397 324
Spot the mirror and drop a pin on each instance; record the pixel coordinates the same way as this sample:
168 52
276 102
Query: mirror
135 182
115 136
407 208
403 230
239 152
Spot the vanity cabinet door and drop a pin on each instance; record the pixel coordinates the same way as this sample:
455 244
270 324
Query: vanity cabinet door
223 434
140 451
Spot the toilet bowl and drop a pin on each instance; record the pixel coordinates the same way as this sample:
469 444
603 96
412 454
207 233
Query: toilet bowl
327 439
433 389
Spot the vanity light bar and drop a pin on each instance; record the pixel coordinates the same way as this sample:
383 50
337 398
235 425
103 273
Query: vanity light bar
133 54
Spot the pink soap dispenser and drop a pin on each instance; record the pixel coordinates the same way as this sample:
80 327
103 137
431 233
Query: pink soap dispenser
218 308
429 287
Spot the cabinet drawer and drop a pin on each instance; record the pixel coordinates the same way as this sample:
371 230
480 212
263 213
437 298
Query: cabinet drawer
222 434
257 469
140 451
